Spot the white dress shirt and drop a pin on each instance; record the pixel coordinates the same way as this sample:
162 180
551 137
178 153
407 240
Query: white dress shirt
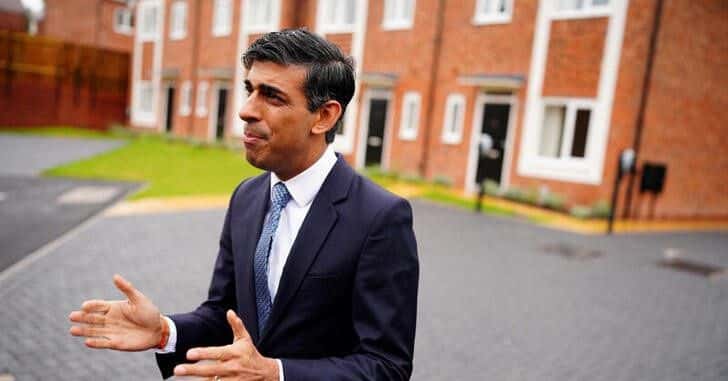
303 189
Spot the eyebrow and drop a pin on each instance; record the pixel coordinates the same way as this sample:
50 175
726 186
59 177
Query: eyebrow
267 89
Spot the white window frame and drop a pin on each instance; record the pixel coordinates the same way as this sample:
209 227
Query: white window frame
201 99
567 138
151 33
125 27
178 20
492 16
453 134
144 110
396 16
409 122
222 24
185 96
339 24
587 10
254 23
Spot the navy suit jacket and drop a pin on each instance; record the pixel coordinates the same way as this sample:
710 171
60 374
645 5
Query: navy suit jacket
346 304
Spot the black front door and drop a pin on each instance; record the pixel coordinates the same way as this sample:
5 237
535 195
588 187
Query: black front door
170 109
221 107
491 144
375 136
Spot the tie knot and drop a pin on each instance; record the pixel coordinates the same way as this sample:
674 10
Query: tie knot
280 195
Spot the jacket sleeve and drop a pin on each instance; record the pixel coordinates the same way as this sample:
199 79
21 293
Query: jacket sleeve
207 325
384 307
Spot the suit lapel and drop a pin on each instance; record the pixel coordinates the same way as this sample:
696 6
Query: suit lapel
252 208
316 226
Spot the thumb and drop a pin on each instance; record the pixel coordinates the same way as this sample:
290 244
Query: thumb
126 287
239 331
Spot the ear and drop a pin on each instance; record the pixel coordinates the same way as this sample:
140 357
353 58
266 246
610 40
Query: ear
328 114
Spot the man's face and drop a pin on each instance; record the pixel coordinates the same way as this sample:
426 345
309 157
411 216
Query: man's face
278 131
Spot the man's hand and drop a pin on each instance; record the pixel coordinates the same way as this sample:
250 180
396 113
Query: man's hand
125 325
237 361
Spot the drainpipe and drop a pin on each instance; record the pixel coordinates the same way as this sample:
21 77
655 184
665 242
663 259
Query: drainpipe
193 70
437 44
637 142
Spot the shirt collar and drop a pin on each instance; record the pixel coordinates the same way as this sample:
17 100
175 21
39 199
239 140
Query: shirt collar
304 186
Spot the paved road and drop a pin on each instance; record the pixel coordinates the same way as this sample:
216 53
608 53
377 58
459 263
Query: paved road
30 155
35 210
493 304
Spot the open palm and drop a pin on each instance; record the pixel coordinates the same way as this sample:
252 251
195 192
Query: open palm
126 325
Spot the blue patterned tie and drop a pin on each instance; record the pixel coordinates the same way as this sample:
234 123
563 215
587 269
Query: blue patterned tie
279 198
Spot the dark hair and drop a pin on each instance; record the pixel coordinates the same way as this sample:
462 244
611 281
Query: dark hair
330 74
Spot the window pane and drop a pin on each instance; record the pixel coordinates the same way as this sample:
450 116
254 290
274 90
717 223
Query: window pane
600 2
581 131
350 11
571 4
455 117
552 131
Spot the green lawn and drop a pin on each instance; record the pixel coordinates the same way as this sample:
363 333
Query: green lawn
177 167
168 167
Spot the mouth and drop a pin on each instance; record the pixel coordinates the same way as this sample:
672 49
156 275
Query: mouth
251 137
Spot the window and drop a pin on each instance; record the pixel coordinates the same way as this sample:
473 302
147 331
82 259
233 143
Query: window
201 106
222 18
123 21
148 22
410 116
337 16
184 98
398 14
565 130
178 21
493 11
259 14
144 97
581 8
452 130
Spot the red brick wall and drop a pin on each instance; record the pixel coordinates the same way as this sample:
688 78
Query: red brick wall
14 22
84 22
470 49
574 57
686 115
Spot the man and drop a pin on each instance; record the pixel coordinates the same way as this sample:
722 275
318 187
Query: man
317 272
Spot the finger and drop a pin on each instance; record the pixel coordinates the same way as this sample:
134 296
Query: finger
239 331
88 331
127 288
96 306
209 353
87 318
98 342
202 369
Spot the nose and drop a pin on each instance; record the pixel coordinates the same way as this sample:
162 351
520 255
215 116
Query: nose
249 111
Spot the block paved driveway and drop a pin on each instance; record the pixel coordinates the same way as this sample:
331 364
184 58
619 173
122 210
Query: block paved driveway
36 210
493 305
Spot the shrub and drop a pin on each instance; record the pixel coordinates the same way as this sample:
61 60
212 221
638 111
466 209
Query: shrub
600 209
442 180
553 201
492 188
580 211
528 196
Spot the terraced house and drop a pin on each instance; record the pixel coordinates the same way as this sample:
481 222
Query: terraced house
529 94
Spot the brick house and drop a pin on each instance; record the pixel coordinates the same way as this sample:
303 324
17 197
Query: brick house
12 16
553 90
104 24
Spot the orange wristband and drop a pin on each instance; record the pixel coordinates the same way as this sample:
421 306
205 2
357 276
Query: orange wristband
165 333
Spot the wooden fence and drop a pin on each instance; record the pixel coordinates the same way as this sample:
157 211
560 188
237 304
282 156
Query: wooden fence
49 82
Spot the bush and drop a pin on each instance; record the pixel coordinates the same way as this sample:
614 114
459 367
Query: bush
600 209
580 211
442 180
412 178
492 188
553 201
520 195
